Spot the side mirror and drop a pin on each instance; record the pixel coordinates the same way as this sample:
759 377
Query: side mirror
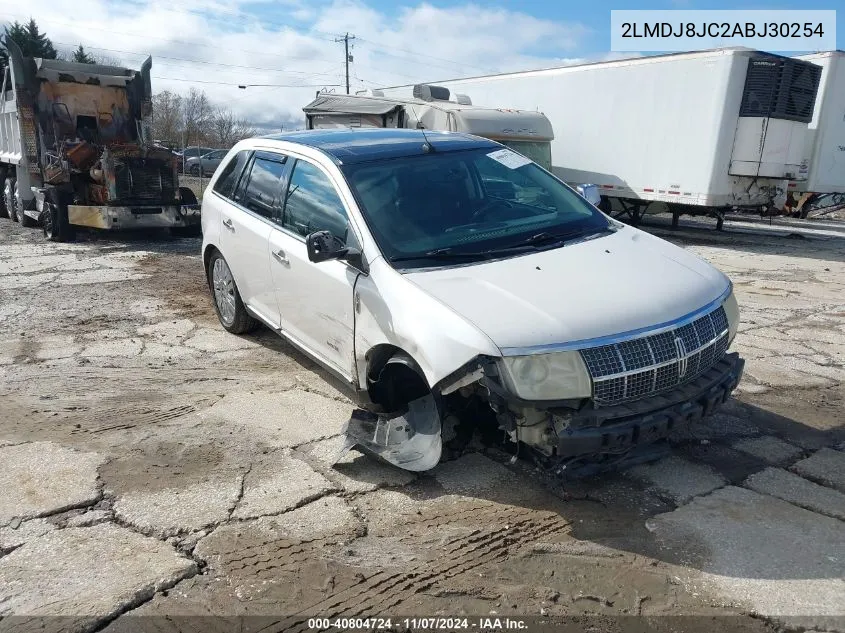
323 246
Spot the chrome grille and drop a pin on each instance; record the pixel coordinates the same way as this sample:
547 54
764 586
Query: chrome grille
653 363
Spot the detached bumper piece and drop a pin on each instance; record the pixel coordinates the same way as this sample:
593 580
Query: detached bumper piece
615 430
410 441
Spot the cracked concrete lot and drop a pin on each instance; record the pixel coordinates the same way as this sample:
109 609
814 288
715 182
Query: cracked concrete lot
154 465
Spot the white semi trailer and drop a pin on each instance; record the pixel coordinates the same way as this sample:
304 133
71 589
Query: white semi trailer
701 132
824 153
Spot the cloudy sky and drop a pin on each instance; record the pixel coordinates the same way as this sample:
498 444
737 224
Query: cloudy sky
285 50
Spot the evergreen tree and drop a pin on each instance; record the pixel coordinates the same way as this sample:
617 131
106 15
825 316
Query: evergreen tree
82 57
32 42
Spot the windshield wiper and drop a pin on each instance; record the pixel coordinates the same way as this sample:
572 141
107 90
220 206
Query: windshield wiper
440 253
544 237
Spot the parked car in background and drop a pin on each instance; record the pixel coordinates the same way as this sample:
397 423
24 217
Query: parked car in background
436 271
193 151
206 164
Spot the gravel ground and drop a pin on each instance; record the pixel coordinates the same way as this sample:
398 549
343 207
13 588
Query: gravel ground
154 465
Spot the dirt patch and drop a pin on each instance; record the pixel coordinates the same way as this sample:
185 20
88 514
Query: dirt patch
181 283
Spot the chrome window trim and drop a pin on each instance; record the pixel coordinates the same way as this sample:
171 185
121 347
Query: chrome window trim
267 221
622 336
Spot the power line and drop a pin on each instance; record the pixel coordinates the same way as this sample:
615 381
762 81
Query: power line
226 83
405 50
199 61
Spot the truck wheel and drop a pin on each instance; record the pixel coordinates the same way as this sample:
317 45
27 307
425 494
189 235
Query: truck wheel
9 198
54 220
4 209
187 195
227 300
24 219
604 205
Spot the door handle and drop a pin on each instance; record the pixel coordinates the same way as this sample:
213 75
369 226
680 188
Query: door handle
228 224
280 256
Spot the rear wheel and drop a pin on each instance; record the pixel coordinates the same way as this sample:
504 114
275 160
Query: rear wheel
4 209
227 300
24 219
9 198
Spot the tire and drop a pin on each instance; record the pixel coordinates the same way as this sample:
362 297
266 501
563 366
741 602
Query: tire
54 220
23 218
9 198
187 196
194 170
604 205
4 210
233 315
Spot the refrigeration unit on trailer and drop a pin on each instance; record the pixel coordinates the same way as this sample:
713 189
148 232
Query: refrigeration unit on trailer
824 153
75 150
701 132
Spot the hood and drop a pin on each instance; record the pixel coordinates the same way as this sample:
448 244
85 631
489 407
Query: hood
601 287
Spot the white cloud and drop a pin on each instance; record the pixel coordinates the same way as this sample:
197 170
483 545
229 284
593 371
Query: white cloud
295 44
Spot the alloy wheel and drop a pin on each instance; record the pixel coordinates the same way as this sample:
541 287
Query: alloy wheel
224 291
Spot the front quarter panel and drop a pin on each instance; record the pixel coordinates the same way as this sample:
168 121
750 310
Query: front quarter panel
391 310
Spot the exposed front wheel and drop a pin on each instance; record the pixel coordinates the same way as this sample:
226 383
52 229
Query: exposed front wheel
227 300
54 220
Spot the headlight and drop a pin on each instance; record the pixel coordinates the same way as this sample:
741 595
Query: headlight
557 376
732 312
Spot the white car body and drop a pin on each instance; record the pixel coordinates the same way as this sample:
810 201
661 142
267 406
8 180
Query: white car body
441 319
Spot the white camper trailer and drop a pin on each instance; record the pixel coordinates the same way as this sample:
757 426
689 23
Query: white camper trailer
824 151
431 108
702 132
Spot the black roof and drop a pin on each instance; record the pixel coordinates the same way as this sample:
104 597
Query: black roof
361 145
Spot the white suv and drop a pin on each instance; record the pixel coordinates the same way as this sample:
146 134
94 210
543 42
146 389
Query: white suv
431 271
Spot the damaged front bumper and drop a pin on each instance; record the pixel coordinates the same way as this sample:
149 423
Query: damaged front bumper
134 217
593 430
556 431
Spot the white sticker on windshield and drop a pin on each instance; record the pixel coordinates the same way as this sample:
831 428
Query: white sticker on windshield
509 158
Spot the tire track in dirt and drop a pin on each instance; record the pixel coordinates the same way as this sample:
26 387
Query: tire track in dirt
385 590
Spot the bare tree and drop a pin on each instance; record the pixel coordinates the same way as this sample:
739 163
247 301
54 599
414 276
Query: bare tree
226 129
197 115
168 117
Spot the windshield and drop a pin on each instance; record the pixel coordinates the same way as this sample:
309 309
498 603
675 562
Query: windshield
467 204
538 151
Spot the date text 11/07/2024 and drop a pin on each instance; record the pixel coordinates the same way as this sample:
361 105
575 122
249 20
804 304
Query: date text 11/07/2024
480 624
722 29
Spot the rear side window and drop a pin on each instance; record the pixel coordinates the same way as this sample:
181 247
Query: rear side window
228 179
263 189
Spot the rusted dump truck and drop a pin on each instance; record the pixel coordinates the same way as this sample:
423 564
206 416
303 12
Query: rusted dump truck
76 150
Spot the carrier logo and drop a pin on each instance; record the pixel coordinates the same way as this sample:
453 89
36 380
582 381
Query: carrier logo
681 351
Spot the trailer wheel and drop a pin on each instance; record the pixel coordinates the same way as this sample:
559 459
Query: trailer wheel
24 219
604 205
54 220
9 198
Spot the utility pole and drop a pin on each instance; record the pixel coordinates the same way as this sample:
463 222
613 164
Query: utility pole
347 57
